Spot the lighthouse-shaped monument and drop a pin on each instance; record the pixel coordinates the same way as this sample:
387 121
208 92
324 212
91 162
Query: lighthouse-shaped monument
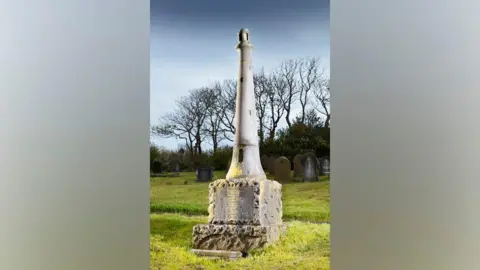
245 209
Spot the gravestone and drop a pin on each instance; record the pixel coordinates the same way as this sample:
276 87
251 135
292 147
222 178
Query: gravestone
245 209
325 166
310 167
176 168
156 167
297 166
271 165
282 169
204 174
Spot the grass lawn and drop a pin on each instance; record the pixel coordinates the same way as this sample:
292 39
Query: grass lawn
177 207
301 201
305 246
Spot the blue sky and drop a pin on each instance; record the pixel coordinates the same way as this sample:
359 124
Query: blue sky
193 43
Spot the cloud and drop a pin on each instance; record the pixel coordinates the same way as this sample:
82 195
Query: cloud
184 57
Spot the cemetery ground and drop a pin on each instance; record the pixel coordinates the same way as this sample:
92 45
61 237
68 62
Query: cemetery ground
176 207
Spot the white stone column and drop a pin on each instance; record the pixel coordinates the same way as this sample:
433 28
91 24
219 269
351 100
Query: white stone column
246 153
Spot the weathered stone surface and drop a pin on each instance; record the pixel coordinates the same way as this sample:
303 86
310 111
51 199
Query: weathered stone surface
204 174
325 165
283 169
245 201
271 165
297 165
235 237
310 167
176 167
245 209
244 214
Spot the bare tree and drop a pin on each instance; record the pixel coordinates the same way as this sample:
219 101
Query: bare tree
287 74
322 98
198 103
227 96
206 115
276 91
262 86
178 124
213 125
188 119
308 72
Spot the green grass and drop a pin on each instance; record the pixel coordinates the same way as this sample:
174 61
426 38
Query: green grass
177 207
301 201
305 246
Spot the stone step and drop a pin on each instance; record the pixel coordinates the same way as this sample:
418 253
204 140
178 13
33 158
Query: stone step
216 254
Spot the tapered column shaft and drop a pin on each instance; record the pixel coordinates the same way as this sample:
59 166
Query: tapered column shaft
246 153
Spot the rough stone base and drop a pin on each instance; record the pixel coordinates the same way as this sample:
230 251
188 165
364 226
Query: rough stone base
240 238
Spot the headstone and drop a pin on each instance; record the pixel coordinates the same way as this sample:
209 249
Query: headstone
204 174
245 209
325 166
176 168
297 166
271 165
156 167
310 167
282 169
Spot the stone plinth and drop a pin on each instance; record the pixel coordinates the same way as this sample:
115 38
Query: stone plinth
244 214
215 254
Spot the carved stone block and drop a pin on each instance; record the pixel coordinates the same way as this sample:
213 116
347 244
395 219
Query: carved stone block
246 201
244 214
235 237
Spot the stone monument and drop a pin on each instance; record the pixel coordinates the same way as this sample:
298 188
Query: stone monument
245 209
325 166
271 165
310 167
204 174
176 168
283 169
297 165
